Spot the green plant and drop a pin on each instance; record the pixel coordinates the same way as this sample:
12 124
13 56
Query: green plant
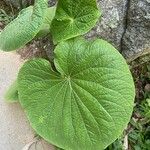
87 100
26 26
140 129
137 134
117 145
73 18
5 18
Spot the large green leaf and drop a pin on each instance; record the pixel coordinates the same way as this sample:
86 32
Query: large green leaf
73 18
24 28
87 103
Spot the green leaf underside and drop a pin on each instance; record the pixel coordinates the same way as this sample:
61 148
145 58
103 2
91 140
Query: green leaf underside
12 93
45 28
87 104
24 28
73 18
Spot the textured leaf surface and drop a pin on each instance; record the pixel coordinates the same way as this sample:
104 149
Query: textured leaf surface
74 18
87 104
24 28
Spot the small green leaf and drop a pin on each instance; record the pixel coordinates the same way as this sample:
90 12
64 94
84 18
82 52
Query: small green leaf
12 93
87 103
24 28
74 18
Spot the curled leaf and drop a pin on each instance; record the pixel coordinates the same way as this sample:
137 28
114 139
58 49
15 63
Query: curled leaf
24 28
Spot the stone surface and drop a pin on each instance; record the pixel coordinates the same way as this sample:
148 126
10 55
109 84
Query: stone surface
136 40
111 25
15 131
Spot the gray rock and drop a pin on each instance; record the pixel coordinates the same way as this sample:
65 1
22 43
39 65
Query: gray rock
136 40
52 2
112 23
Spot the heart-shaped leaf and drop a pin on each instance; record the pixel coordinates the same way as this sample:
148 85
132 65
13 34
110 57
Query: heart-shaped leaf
73 18
87 103
24 28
